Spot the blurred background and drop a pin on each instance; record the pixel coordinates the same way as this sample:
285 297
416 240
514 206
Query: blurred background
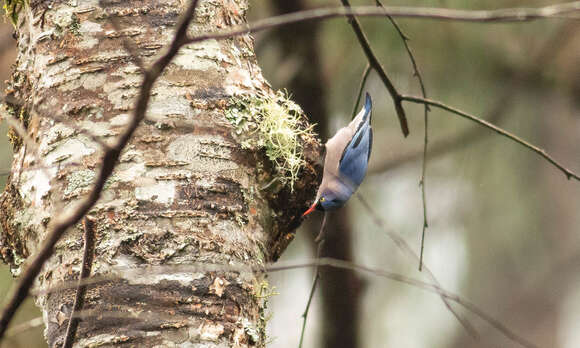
503 223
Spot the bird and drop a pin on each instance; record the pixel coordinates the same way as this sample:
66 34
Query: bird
346 161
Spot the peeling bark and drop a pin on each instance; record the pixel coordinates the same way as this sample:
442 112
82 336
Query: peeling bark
185 190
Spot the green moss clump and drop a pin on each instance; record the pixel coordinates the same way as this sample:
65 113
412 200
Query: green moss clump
281 129
12 9
75 25
262 293
23 117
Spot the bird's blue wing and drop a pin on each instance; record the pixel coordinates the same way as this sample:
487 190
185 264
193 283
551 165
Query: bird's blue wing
355 157
365 122
354 162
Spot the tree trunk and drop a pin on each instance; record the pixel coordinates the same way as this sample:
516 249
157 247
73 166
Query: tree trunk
198 183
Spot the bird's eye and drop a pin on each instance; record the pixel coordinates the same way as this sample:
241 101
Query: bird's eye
322 199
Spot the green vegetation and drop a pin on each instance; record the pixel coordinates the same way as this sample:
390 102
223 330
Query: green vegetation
12 8
262 292
23 117
280 127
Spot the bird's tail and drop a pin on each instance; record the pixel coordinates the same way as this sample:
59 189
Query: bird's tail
368 107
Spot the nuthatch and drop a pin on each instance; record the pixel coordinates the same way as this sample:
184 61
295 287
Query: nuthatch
345 165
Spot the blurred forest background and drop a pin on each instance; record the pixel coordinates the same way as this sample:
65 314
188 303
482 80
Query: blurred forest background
503 223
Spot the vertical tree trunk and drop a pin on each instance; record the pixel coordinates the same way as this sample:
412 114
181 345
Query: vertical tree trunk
195 184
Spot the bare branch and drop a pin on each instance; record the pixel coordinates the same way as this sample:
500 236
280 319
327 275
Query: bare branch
546 54
341 264
479 16
441 147
320 262
422 181
569 174
88 255
110 158
363 82
375 64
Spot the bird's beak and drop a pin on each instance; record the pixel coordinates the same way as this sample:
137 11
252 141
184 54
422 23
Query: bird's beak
310 210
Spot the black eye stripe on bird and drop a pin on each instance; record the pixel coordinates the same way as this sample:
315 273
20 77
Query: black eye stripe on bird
346 161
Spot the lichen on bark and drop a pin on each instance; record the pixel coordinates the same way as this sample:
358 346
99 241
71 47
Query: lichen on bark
185 191
277 125
12 9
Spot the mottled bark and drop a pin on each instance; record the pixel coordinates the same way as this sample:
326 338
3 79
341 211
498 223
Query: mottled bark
185 190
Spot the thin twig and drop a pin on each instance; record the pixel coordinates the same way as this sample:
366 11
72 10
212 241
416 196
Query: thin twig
402 244
422 181
569 174
501 15
110 158
363 82
321 262
307 309
341 264
320 241
445 145
479 16
546 54
405 40
423 184
88 255
322 232
375 64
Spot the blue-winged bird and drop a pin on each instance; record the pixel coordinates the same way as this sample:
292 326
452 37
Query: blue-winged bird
346 161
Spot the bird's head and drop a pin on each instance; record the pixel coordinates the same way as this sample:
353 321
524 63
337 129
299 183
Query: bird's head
327 201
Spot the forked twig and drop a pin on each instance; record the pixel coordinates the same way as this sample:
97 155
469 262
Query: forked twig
375 64
422 181
87 263
321 262
477 16
547 53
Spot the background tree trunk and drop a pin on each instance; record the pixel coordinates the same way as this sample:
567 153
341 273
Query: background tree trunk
185 191
340 289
